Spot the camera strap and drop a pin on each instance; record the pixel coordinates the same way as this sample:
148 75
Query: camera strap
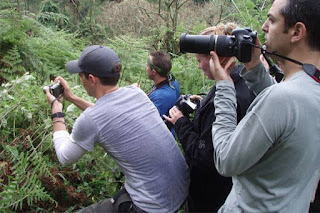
56 99
310 69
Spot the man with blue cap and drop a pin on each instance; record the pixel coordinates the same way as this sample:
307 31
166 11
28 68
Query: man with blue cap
156 175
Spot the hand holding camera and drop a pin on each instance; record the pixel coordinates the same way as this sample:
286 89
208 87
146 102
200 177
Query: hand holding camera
53 93
183 107
57 90
221 70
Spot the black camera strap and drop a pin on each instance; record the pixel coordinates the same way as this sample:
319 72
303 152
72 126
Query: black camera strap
310 69
56 99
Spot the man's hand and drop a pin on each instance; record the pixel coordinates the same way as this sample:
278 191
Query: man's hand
255 57
136 85
196 97
54 102
221 72
175 114
68 95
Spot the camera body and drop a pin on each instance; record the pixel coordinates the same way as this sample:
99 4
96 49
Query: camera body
186 105
239 44
56 89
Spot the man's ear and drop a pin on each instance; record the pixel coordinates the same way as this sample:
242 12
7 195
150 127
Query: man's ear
92 79
154 72
298 32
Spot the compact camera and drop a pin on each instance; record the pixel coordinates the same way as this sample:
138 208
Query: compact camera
239 44
56 89
186 105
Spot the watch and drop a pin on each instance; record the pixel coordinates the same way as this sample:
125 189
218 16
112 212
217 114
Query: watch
57 115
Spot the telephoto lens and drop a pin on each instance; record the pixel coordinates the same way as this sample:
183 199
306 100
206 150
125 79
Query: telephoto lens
203 44
239 44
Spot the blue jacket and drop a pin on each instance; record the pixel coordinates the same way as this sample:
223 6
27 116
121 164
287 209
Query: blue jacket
164 96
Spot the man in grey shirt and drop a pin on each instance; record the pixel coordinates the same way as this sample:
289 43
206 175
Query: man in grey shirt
156 175
273 155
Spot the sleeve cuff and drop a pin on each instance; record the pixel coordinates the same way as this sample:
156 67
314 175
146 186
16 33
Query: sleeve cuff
225 83
246 74
60 134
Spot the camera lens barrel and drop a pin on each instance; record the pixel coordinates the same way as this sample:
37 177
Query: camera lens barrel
239 44
203 44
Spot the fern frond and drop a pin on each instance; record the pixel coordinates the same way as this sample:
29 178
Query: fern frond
24 185
13 63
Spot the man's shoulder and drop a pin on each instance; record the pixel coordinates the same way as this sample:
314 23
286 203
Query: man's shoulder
165 91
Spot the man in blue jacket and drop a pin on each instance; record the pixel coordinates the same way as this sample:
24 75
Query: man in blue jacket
165 90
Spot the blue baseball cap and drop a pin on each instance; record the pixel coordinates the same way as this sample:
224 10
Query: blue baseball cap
97 60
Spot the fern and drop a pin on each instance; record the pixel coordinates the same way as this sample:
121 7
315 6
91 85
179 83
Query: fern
51 16
24 184
6 4
13 64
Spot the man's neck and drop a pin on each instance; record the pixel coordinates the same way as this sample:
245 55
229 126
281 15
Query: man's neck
105 90
159 79
308 57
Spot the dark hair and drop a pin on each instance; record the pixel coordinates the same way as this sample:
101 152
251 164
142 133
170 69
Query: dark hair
307 12
111 81
163 61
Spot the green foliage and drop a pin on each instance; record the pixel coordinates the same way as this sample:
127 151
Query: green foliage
48 56
13 29
133 53
51 16
24 183
13 64
5 4
190 77
41 49
251 13
19 104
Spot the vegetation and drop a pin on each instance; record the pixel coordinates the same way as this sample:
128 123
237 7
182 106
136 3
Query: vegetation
38 37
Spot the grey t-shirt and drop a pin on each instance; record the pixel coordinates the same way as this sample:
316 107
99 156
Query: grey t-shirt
127 125
274 153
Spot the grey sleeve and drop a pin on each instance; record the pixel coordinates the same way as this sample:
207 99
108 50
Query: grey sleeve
85 132
237 148
257 79
67 151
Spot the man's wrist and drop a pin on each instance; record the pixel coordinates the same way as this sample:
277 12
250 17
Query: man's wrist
60 121
56 106
252 64
57 115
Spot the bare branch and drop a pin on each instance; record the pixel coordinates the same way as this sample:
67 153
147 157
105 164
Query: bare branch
182 4
169 5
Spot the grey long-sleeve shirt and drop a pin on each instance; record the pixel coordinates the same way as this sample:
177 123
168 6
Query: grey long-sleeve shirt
273 155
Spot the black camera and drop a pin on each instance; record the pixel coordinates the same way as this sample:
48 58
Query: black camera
185 105
239 44
56 89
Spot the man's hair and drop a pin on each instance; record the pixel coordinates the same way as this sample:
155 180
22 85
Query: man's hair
109 81
163 61
307 12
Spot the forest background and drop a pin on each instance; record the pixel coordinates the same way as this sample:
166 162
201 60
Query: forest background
38 37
